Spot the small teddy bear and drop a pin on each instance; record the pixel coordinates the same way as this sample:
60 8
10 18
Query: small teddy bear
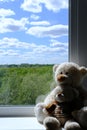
65 100
55 112
67 75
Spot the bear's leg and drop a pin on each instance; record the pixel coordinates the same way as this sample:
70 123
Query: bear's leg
51 123
72 125
81 117
39 113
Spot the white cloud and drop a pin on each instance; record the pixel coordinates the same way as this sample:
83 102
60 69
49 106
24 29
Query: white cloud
61 45
32 6
34 17
56 5
55 43
7 0
6 12
14 43
15 51
8 53
50 31
43 23
10 24
35 6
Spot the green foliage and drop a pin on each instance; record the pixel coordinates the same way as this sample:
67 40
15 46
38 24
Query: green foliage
21 85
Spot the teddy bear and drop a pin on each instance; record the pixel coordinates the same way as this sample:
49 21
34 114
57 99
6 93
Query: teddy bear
68 77
55 112
72 74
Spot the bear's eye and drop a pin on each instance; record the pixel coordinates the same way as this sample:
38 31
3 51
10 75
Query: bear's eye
66 73
61 72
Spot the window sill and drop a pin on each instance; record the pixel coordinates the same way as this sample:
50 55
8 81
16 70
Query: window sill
20 123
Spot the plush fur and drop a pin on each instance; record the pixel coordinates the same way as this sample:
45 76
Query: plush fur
64 106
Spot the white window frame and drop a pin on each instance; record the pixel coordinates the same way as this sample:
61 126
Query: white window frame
17 111
77 51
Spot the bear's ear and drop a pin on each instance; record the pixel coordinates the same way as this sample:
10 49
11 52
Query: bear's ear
83 70
54 68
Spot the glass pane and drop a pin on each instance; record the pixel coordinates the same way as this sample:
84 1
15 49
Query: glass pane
33 37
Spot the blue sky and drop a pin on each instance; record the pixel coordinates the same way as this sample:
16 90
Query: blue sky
33 31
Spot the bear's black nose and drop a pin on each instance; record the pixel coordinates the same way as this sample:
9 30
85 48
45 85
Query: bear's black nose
61 95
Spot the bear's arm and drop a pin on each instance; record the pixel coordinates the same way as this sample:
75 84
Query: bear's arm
83 94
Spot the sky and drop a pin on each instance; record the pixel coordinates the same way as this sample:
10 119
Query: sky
33 31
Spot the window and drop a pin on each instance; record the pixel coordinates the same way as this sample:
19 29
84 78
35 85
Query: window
33 37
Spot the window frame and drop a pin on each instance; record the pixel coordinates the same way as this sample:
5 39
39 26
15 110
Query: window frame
78 32
76 38
73 31
17 111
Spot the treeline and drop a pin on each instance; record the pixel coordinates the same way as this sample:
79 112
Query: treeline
24 65
21 85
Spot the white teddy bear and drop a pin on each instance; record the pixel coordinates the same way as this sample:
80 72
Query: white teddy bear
72 74
69 94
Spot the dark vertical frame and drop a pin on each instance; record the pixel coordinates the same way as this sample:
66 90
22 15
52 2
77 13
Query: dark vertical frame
78 31
73 31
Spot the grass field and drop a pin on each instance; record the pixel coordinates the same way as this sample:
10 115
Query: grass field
21 85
